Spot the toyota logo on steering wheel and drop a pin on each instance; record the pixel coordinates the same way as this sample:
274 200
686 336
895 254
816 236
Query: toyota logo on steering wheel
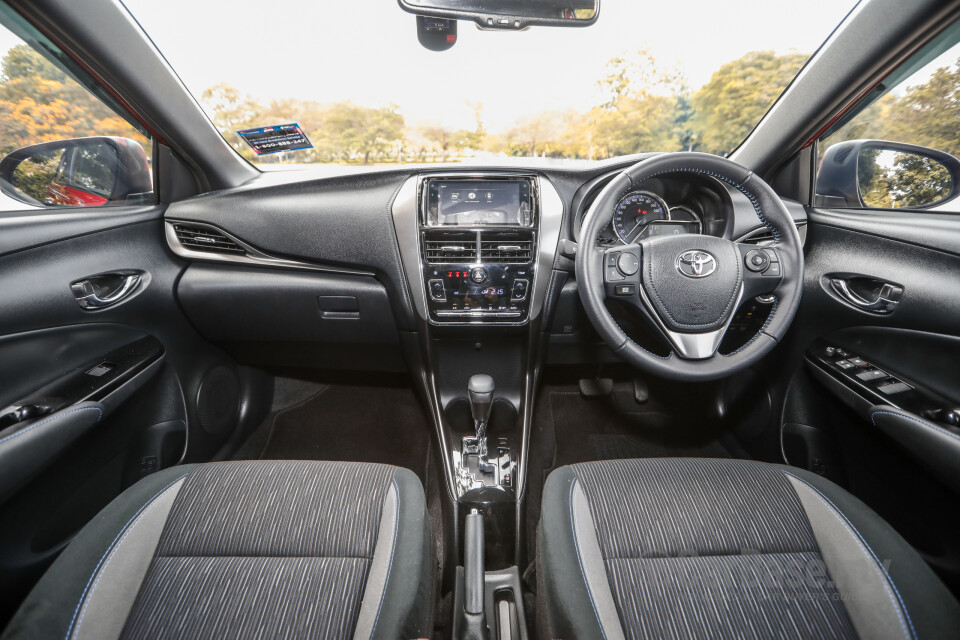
696 264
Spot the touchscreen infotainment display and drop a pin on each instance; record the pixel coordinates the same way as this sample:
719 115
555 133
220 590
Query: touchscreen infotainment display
479 203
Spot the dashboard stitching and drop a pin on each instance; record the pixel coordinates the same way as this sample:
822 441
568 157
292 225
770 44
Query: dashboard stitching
740 188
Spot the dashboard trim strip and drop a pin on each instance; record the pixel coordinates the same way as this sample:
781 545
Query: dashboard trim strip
254 257
405 223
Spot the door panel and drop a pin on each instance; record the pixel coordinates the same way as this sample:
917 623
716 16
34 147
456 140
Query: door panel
835 414
138 362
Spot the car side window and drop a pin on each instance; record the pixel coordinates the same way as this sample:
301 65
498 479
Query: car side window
64 141
900 148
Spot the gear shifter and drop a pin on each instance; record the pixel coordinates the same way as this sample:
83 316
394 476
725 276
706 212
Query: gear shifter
480 391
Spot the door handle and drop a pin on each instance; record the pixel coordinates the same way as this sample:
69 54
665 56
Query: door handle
883 301
101 291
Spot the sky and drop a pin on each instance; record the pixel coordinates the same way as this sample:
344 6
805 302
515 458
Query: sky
366 51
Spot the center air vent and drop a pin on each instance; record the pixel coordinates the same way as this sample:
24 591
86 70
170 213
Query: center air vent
506 247
456 247
201 238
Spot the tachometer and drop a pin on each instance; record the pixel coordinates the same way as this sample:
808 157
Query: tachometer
635 211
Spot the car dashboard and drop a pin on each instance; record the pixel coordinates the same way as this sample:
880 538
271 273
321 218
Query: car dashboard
439 272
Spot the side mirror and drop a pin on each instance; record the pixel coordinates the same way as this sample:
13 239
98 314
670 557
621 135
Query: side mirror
80 172
878 174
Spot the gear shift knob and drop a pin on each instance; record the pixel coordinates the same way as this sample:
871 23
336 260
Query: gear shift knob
480 390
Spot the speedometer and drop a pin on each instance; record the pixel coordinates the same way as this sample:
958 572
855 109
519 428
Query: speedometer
635 211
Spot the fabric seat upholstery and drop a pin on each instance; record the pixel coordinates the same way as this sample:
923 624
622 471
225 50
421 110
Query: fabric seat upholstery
691 548
264 549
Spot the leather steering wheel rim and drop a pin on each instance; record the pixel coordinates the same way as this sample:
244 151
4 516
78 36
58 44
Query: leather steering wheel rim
593 287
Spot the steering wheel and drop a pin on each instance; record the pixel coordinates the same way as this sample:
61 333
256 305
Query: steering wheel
689 286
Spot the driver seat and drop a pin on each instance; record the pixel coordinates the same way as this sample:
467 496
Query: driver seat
711 548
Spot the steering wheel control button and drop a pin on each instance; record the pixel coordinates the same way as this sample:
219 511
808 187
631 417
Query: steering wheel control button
625 290
628 264
756 260
436 290
614 275
771 255
478 274
520 289
772 270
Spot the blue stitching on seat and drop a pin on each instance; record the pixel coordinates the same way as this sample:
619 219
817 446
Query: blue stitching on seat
123 532
51 419
386 583
922 423
739 187
573 530
866 547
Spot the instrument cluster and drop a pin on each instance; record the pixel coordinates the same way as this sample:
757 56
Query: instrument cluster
664 206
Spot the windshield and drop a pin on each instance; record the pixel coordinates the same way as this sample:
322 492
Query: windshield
648 76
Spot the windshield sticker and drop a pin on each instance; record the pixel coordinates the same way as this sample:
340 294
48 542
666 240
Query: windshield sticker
284 137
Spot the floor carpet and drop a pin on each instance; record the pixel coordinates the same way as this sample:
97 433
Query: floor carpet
569 428
352 423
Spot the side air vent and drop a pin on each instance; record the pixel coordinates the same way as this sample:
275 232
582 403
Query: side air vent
506 248
199 238
455 247
763 235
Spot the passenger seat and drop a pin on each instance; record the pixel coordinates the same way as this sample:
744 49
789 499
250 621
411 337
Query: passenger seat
711 548
266 549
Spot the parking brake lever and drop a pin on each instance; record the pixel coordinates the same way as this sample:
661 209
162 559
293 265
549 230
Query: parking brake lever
474 618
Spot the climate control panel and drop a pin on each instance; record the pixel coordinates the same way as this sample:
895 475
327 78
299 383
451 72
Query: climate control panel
478 292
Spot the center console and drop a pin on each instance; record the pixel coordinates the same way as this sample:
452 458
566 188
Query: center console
478 247
478 251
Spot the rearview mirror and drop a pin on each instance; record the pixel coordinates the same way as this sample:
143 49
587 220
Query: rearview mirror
79 172
509 14
878 174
